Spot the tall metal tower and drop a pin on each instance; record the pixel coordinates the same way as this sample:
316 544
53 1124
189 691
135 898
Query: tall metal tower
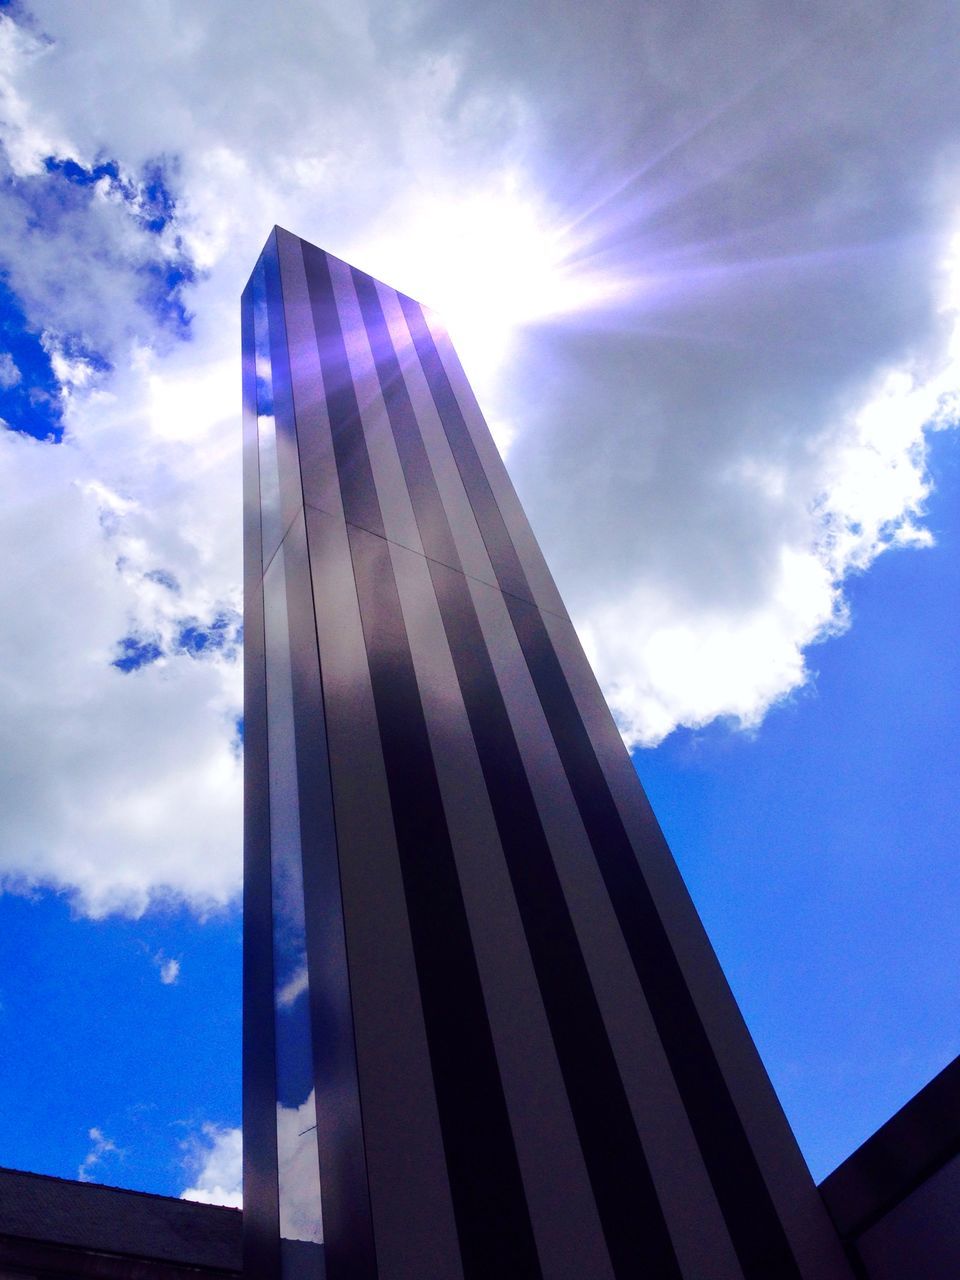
485 1035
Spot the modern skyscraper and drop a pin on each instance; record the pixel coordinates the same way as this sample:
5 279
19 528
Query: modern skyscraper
481 1013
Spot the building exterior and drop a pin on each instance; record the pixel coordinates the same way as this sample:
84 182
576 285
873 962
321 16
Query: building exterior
896 1199
480 1009
485 1035
895 1203
61 1229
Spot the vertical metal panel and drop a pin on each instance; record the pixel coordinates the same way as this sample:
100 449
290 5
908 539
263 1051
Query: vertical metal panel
416 475
471 554
339 1132
568 1231
285 429
393 500
318 467
410 1197
297 1159
357 490
754 1223
456 402
261 1219
797 1201
626 1198
528 1061
689 1204
348 1228
270 515
395 1112
492 1218
752 1219
481 1165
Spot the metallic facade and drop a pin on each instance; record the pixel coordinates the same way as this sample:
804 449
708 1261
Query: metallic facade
480 1009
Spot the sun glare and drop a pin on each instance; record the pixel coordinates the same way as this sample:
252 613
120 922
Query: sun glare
488 262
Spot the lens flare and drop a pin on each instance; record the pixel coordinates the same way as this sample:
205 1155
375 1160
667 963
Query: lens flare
488 261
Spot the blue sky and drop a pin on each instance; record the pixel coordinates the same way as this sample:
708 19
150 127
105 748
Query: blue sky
705 277
95 1039
821 849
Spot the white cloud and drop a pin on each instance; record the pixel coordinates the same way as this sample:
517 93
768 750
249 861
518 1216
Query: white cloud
216 1159
737 324
299 1172
102 1146
27 136
666 660
10 375
169 968
124 786
293 988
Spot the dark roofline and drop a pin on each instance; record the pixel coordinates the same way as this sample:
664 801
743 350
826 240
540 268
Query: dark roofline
109 1187
903 1153
61 1226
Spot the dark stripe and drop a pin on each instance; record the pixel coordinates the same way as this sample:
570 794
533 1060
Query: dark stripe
348 1225
496 536
432 521
492 1220
493 1224
285 428
627 1203
261 1230
345 1200
755 1228
357 488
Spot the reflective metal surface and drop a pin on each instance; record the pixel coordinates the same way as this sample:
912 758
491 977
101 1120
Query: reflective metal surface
298 1160
271 521
495 1025
261 1240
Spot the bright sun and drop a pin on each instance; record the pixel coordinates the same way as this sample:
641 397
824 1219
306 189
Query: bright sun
489 261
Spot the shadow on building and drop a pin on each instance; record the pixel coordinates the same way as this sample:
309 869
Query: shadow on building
895 1203
476 992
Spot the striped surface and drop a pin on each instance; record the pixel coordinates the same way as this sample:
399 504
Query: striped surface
477 993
